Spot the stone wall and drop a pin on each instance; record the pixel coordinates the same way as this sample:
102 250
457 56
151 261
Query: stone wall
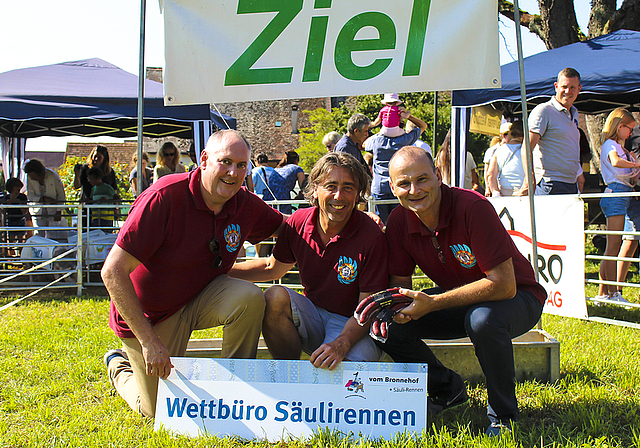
269 125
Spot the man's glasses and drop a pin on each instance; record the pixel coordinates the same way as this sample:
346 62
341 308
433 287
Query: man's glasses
214 248
436 245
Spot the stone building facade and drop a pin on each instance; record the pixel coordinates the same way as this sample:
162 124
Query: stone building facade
272 127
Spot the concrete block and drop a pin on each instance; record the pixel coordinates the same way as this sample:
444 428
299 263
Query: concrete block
537 355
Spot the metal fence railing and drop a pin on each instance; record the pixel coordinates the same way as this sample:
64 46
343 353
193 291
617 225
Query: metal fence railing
68 253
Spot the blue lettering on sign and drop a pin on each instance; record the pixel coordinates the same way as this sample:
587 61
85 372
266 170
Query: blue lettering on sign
295 411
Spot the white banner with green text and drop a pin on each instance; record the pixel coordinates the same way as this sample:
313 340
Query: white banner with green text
246 50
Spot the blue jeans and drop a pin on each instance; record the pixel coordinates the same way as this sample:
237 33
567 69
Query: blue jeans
557 187
490 326
383 210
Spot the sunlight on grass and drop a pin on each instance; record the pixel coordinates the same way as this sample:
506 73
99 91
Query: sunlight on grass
54 391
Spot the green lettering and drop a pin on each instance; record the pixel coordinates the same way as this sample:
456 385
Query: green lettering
346 44
417 34
240 72
315 49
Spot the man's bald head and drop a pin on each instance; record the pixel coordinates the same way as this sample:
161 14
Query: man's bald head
409 154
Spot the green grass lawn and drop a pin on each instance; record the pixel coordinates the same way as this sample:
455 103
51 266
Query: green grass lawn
54 390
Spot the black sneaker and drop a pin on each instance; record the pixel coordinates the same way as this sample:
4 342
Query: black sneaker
437 405
113 354
498 429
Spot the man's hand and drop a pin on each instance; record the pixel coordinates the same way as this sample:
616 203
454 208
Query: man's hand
329 355
157 360
421 305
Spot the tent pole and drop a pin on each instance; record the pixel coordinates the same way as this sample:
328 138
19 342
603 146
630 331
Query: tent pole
141 75
527 144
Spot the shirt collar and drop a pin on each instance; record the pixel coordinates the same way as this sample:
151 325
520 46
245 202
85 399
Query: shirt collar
229 207
560 108
444 220
349 229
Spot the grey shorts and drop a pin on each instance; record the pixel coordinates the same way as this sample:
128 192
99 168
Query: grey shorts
317 326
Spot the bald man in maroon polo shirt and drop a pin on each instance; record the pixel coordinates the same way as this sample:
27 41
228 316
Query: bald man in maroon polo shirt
166 274
486 288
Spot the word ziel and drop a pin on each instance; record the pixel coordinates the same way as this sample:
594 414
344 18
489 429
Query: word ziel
283 411
242 73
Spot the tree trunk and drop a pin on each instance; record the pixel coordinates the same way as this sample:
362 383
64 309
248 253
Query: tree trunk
557 26
601 12
559 23
594 127
625 18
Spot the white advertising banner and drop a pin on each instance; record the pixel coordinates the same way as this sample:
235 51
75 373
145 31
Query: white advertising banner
247 50
560 237
257 398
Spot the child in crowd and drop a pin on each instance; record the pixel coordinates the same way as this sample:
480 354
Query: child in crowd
15 217
390 116
619 170
100 193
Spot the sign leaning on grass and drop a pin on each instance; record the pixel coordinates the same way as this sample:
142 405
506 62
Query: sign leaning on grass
243 50
277 399
560 235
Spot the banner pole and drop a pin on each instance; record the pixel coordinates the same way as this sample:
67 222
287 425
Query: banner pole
527 145
141 75
434 147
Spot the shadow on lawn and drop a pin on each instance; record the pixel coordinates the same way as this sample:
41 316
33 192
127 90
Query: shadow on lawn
615 312
574 419
580 418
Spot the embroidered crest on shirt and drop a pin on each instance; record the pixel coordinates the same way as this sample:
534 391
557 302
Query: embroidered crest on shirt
232 237
347 270
464 255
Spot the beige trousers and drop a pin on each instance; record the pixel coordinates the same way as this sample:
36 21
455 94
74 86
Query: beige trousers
235 304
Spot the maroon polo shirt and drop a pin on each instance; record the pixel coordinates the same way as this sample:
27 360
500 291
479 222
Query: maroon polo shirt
168 230
471 237
333 276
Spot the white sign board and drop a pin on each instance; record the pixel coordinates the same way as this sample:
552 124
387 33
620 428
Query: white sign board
560 235
245 50
280 399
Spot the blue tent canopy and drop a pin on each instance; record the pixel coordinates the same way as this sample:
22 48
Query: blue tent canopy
609 67
91 98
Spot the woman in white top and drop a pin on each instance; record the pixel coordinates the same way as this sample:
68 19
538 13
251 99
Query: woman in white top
506 173
619 170
168 161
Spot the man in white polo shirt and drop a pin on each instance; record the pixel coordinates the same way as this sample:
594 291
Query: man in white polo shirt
555 139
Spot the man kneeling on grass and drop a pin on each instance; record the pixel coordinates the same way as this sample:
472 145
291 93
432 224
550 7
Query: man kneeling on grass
341 255
166 274
487 289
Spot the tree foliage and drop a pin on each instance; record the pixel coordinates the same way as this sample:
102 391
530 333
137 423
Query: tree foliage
66 175
420 104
